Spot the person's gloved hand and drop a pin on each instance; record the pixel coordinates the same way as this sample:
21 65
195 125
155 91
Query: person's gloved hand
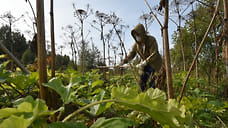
141 65
121 63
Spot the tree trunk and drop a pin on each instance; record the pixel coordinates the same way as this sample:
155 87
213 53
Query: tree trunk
166 49
226 45
216 57
196 46
182 48
42 64
196 43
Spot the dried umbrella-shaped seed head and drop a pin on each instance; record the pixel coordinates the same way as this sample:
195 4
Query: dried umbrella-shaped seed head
81 12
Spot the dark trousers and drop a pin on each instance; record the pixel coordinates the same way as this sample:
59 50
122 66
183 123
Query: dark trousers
148 74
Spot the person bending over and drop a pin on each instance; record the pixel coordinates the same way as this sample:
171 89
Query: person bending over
146 47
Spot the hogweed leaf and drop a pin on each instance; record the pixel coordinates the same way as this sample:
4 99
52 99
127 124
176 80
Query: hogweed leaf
152 102
15 122
64 91
115 122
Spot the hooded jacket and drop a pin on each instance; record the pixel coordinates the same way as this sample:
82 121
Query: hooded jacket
149 53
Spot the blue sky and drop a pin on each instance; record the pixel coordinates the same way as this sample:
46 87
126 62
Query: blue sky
128 10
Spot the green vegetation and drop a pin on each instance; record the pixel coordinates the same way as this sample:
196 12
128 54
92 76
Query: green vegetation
88 101
82 96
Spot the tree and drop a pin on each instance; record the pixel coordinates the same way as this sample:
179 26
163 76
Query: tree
11 21
28 57
61 62
18 40
176 55
199 49
177 4
92 55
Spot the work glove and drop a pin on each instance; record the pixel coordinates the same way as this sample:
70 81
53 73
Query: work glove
121 64
141 65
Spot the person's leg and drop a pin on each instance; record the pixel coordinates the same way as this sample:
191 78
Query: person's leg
142 83
151 77
152 81
144 76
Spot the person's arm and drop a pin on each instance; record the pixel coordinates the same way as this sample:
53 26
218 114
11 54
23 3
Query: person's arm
131 55
153 51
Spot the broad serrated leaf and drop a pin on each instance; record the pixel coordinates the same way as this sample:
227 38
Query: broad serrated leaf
115 122
128 93
4 76
28 99
15 122
152 102
26 110
19 81
64 91
75 80
67 125
24 107
40 108
6 112
100 108
97 83
39 123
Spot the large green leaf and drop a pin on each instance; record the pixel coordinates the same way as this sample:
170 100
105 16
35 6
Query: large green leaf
23 107
97 83
66 125
19 81
100 108
4 75
40 108
152 102
26 111
37 106
15 122
6 112
28 99
64 91
115 122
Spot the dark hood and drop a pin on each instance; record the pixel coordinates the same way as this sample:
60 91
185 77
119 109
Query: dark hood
139 28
